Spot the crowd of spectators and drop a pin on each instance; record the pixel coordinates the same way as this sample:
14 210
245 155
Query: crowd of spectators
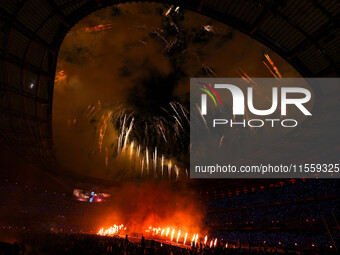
298 214
287 192
74 244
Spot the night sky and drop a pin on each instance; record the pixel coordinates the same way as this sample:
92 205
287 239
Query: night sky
139 64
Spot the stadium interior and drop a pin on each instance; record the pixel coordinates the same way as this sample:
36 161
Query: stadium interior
66 189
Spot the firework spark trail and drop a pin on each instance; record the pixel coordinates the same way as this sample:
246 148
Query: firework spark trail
177 171
155 162
142 169
142 42
200 112
131 149
124 122
242 76
138 150
208 70
175 26
184 111
221 141
98 28
169 10
248 77
160 36
128 133
106 156
170 44
120 138
147 159
179 123
204 66
175 126
209 28
169 169
196 239
269 69
174 108
167 232
102 129
60 76
161 130
92 110
205 239
273 65
179 234
162 164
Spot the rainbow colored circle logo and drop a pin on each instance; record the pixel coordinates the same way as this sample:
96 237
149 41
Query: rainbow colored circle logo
207 88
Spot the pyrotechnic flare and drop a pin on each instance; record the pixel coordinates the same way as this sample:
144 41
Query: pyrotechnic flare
196 238
162 232
172 234
193 239
205 239
215 242
185 238
167 232
179 234
111 230
211 243
226 245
